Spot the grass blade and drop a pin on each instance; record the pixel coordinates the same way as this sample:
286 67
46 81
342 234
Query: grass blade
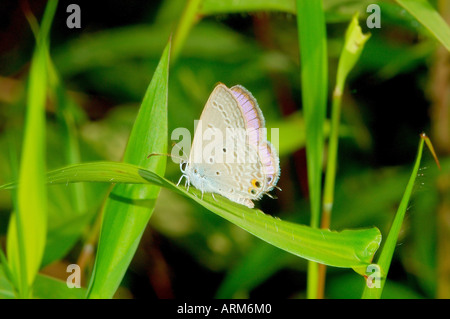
384 261
184 26
210 7
28 225
424 12
314 79
129 207
347 248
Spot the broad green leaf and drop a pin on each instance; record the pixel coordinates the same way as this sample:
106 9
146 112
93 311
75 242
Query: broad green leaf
346 248
375 289
424 12
28 225
129 207
314 80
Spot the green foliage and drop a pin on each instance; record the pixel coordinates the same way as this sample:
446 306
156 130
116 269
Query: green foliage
314 81
385 258
85 115
129 207
424 12
348 248
28 224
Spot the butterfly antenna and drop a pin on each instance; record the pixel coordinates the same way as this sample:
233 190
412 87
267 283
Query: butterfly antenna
164 154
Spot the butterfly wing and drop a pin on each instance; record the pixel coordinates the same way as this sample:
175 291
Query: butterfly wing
237 162
258 135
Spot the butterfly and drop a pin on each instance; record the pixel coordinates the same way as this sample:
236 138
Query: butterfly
239 163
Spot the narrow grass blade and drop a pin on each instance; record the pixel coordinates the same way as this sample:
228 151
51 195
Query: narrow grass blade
129 207
185 24
347 248
210 7
314 79
373 290
424 12
28 225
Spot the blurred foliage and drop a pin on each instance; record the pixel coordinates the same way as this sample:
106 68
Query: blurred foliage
105 67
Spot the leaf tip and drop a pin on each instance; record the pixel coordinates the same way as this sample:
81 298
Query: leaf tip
427 140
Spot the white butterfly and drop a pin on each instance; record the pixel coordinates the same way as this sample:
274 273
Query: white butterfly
240 167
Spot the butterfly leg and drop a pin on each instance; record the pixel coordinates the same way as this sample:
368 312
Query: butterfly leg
271 196
179 181
202 190
187 184
212 194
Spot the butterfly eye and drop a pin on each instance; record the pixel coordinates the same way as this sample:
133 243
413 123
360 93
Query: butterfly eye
183 166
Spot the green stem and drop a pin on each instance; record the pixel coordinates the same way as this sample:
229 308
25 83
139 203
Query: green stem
330 177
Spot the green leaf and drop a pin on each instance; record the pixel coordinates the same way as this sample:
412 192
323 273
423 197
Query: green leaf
384 261
314 80
129 207
335 10
44 288
424 12
346 248
210 7
185 24
28 224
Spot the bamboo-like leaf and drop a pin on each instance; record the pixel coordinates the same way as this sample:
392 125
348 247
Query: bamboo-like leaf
28 224
129 207
424 12
347 248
